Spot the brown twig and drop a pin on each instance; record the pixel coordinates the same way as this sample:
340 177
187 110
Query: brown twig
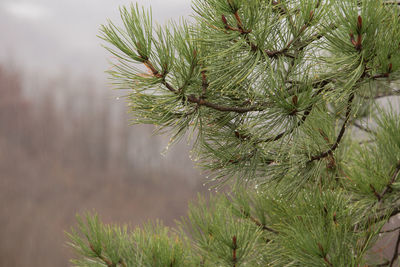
262 226
381 95
283 51
390 230
234 248
324 254
204 83
397 3
378 196
257 222
152 69
239 29
383 75
389 185
240 24
200 101
384 264
302 120
384 216
359 126
341 133
101 257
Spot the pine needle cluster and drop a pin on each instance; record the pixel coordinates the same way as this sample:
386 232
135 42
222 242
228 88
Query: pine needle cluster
280 100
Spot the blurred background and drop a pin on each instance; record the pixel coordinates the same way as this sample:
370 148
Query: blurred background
66 146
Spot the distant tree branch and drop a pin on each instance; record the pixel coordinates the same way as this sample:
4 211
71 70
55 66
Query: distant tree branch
390 230
361 127
392 3
382 95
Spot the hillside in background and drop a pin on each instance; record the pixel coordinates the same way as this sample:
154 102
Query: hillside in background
63 153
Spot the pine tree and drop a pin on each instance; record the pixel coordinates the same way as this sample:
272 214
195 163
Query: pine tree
280 100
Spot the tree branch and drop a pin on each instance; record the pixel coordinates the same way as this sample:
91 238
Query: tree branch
324 255
397 3
200 101
303 118
234 248
204 83
359 126
101 257
272 53
388 186
262 226
341 133
257 222
390 231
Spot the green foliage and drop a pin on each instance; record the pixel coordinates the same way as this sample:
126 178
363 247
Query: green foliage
274 95
111 245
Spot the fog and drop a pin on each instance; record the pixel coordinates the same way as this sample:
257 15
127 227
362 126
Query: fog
65 143
51 36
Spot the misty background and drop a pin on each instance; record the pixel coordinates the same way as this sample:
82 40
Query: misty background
66 146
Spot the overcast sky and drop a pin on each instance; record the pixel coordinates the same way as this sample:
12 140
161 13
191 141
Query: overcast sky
54 35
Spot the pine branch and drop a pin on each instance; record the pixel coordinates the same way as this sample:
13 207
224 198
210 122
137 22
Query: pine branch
262 226
283 11
395 93
232 81
303 118
275 53
240 29
200 101
359 126
341 133
380 196
324 255
101 257
234 248
382 215
257 222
